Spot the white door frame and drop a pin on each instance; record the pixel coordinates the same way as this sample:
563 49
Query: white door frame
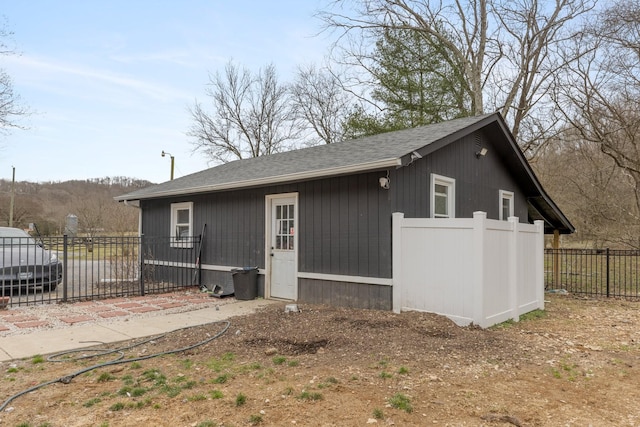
269 199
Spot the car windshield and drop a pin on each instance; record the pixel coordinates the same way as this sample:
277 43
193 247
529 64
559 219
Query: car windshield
14 237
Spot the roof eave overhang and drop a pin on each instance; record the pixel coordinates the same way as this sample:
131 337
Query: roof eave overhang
562 224
299 176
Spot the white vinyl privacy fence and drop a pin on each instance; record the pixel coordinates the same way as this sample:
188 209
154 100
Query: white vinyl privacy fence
472 270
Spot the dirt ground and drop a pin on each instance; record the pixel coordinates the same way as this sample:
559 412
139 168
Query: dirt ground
575 364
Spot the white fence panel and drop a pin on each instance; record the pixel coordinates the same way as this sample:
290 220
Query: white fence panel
471 270
495 256
530 269
438 284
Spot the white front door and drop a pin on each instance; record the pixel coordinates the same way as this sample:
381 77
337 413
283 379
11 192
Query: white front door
282 247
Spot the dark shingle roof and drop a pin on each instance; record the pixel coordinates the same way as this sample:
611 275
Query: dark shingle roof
369 153
376 152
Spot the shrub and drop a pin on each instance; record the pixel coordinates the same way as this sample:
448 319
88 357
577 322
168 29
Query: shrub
241 399
400 401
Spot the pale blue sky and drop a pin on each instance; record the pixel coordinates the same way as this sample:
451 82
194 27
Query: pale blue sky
109 82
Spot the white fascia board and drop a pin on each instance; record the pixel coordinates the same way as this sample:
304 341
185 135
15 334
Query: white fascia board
362 167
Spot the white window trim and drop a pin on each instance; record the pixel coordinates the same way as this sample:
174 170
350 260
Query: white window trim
175 207
509 196
450 183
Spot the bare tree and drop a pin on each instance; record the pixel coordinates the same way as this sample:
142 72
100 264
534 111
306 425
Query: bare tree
11 107
600 100
251 115
91 215
321 103
465 40
596 194
23 210
120 219
507 49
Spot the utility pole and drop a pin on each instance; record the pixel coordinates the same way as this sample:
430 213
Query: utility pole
13 196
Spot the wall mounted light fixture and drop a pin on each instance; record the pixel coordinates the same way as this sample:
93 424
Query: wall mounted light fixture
483 152
384 182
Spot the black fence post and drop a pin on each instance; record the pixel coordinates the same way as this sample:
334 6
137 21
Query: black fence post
141 255
607 272
200 262
65 267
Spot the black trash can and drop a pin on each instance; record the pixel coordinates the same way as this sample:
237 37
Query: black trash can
245 282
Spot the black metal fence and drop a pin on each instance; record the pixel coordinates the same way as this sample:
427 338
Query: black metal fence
594 272
78 269
99 267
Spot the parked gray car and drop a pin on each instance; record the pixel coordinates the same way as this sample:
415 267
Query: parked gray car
25 265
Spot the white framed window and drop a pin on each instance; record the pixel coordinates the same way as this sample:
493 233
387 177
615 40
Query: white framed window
506 205
443 196
181 225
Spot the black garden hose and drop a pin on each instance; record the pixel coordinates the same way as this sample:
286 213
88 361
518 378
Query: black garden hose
68 378
60 357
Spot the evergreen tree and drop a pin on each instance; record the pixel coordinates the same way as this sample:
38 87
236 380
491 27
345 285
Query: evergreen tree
416 82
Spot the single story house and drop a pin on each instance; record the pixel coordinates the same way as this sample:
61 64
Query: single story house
317 221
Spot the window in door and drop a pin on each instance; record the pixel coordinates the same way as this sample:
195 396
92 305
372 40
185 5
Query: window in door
181 225
506 205
285 227
442 196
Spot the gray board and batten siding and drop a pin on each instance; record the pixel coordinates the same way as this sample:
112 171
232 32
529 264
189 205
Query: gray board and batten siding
478 181
344 224
344 228
345 217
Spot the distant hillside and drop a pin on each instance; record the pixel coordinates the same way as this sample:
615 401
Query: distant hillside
47 204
